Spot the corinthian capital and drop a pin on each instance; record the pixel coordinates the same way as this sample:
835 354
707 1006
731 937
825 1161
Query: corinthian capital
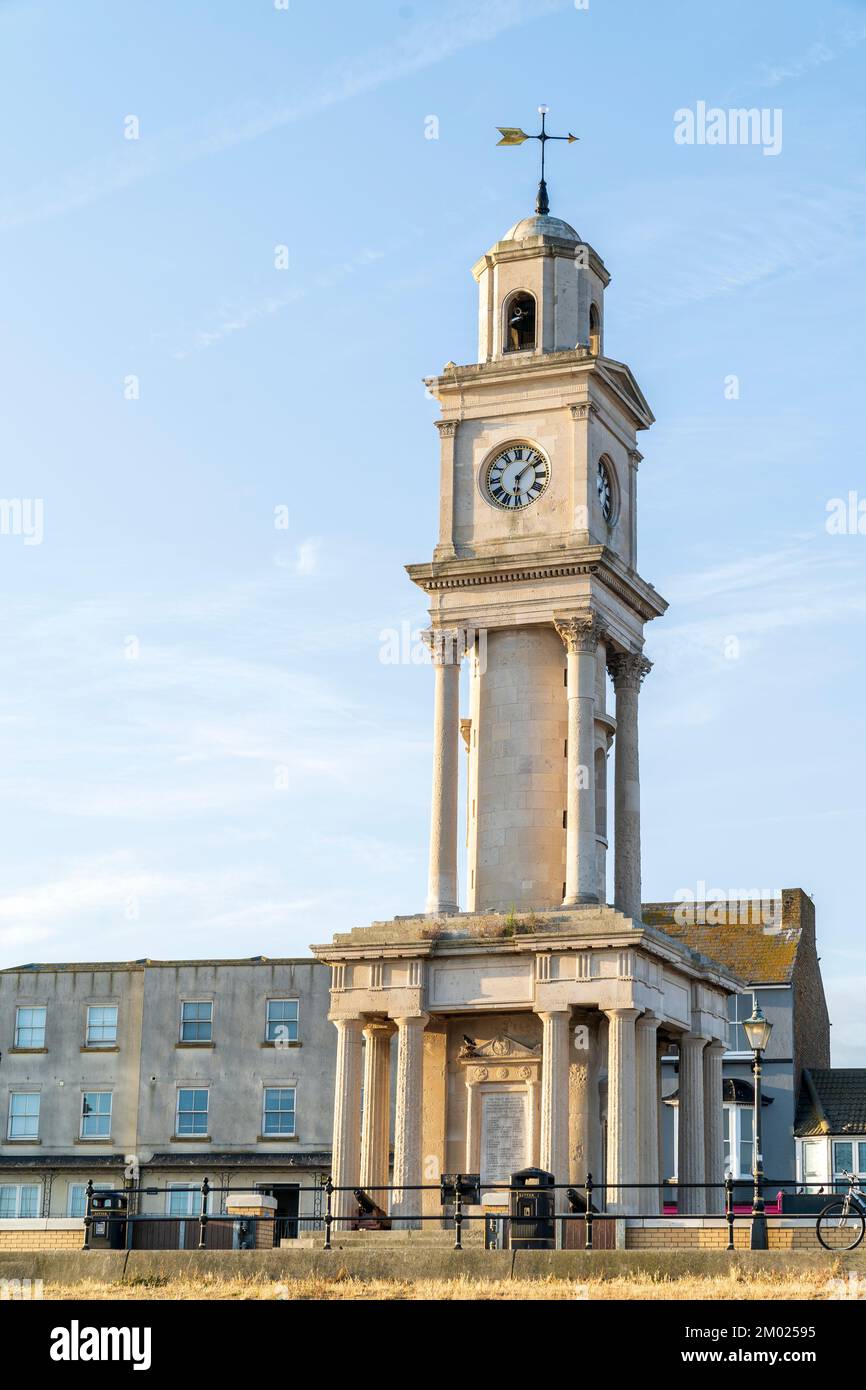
628 669
446 645
582 633
447 428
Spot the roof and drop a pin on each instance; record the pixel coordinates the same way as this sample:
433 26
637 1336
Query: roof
760 952
134 965
831 1101
541 225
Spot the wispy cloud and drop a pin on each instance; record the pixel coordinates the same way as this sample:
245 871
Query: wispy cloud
817 55
456 27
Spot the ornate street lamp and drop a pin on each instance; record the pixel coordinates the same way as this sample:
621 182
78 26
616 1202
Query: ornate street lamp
758 1030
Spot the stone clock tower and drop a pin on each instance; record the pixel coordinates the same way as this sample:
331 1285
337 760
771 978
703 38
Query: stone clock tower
534 581
536 1040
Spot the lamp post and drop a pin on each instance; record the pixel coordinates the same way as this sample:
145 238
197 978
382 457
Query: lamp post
758 1031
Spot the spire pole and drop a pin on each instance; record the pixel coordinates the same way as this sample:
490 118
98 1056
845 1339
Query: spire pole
515 136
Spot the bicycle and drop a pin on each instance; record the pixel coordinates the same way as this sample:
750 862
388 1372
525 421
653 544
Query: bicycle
842 1223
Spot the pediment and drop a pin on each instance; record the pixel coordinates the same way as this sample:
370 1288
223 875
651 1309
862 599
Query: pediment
501 1048
621 380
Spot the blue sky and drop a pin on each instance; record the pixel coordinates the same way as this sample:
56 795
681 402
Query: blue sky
202 751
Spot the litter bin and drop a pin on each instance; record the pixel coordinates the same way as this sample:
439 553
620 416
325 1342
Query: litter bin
532 1210
108 1228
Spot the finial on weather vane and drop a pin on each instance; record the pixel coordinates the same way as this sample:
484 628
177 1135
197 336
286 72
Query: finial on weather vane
512 136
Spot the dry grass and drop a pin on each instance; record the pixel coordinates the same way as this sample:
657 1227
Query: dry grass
740 1285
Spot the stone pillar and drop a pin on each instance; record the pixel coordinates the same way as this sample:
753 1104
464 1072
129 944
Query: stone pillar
581 636
376 1120
691 1148
473 1120
446 650
627 670
648 1113
554 1096
622 1164
252 1207
714 1126
346 1155
447 440
408 1125
663 1050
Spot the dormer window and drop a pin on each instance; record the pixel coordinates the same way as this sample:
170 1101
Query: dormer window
594 330
520 322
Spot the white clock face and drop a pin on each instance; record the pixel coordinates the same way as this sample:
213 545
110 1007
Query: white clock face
516 477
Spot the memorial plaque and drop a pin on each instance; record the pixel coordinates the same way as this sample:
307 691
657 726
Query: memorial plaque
503 1135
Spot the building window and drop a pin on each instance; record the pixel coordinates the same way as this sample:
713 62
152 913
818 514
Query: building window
594 330
77 1198
739 1148
196 1022
183 1200
24 1115
740 1007
849 1156
19 1200
101 1025
192 1107
279 1110
96 1115
519 322
282 1022
30 1027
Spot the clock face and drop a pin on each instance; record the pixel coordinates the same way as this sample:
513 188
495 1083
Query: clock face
605 490
516 477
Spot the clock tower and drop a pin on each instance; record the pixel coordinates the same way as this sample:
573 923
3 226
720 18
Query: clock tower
534 581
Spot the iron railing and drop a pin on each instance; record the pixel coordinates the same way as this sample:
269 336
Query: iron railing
453 1214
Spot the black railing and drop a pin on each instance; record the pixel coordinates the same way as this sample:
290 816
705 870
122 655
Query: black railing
582 1199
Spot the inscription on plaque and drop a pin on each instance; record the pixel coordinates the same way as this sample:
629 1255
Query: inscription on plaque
503 1135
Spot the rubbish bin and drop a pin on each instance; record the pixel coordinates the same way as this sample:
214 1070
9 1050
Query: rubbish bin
108 1228
532 1210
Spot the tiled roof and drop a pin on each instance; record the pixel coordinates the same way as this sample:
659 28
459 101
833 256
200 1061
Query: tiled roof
758 953
831 1101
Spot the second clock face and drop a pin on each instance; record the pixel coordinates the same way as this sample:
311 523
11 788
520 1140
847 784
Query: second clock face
516 477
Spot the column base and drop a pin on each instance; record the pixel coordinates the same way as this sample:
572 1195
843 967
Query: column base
436 909
581 900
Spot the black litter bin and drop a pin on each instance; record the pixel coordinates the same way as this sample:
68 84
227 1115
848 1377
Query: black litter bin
108 1228
533 1203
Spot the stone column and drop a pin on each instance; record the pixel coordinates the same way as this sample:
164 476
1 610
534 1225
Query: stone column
621 1111
408 1125
447 438
663 1050
473 1120
690 1160
648 1113
446 650
554 1096
345 1160
627 670
581 636
714 1126
376 1120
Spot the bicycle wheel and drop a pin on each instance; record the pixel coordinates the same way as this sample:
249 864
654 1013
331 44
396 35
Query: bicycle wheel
841 1226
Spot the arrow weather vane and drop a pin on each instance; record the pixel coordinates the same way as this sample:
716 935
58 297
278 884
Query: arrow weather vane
512 136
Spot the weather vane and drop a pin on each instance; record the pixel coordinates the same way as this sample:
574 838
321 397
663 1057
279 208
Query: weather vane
512 136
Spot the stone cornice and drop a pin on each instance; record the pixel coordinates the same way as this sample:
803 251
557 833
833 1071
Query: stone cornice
597 560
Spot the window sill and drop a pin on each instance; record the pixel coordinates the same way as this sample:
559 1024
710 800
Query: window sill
97 1047
29 1051
279 1046
193 1044
277 1138
104 1139
190 1139
16 1142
